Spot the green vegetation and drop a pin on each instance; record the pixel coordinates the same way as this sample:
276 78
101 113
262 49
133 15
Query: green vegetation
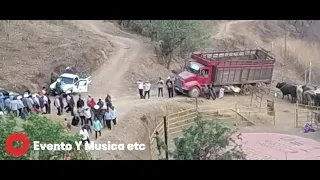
207 140
174 37
39 128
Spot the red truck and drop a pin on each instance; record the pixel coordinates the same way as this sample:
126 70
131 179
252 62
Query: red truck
233 68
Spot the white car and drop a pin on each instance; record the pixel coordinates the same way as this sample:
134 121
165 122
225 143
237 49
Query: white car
72 83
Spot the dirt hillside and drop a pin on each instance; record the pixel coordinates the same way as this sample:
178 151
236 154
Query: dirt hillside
31 50
117 59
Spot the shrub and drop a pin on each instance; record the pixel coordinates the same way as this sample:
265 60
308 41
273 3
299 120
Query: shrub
39 128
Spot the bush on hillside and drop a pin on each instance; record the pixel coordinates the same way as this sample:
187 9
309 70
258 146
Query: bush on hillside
174 37
208 140
39 128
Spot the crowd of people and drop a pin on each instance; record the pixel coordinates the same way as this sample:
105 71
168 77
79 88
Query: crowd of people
93 116
145 88
23 105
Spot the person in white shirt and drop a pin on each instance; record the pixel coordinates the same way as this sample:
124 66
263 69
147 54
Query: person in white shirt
147 87
84 135
160 87
140 87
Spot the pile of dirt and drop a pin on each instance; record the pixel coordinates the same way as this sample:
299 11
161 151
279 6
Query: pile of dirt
31 50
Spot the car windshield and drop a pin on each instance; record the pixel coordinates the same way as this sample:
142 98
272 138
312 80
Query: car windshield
192 68
66 80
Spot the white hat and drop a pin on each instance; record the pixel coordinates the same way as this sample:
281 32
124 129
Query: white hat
11 93
169 77
26 95
19 97
33 95
104 107
58 80
68 67
68 92
96 106
89 95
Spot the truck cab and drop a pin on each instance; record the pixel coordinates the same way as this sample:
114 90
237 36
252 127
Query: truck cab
222 69
72 83
192 79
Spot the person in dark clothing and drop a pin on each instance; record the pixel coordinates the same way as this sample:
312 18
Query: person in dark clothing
160 87
48 104
169 84
100 103
75 121
52 79
71 105
212 91
108 101
58 87
61 104
80 102
206 91
88 128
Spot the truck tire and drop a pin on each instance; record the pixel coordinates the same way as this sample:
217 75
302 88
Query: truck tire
177 92
246 89
194 92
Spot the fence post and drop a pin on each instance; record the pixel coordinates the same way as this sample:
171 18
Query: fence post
274 112
166 135
296 114
197 104
150 145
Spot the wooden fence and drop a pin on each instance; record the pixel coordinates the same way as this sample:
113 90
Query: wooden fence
172 124
306 114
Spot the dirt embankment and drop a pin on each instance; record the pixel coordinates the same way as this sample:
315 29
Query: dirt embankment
271 36
31 50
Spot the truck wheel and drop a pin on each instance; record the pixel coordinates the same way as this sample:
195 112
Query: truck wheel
194 92
246 89
177 92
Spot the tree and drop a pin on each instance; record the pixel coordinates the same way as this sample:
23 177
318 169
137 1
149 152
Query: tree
39 128
208 140
173 36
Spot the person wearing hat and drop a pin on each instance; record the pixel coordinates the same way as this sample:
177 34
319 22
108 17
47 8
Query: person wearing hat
87 114
27 103
169 84
21 107
140 88
147 88
95 111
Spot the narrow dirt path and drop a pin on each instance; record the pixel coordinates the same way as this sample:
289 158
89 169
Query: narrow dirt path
224 28
109 79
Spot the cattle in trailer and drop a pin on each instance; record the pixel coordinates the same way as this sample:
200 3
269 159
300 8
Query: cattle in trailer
317 97
288 89
309 97
307 87
299 94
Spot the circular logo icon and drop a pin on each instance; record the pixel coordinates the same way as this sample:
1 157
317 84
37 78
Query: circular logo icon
17 151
